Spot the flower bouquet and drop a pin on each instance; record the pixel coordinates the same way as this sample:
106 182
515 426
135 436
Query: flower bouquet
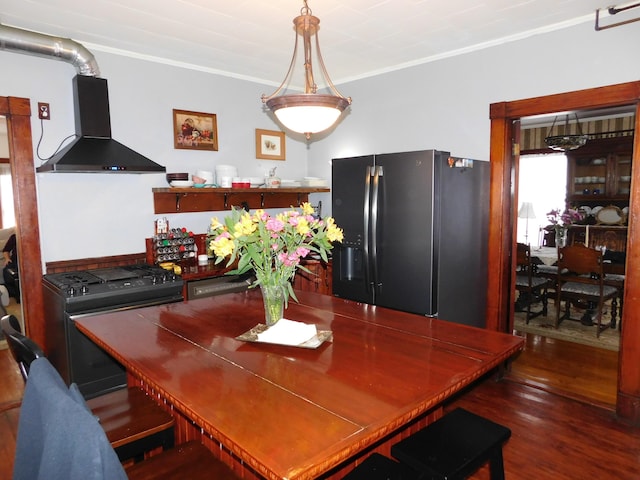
561 221
272 246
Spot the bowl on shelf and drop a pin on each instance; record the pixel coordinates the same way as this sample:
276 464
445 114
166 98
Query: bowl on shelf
181 183
314 182
256 181
182 176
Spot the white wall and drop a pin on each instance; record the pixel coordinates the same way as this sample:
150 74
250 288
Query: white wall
444 105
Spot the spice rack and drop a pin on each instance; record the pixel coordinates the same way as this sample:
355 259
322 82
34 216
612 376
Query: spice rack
176 245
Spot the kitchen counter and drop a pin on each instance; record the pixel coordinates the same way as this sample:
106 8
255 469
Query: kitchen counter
279 412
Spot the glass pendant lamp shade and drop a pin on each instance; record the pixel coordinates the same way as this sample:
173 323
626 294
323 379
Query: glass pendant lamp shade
308 112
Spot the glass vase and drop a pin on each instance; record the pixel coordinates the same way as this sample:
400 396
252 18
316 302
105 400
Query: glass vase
273 298
561 237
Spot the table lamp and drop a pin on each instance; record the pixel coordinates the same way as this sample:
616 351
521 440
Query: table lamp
526 212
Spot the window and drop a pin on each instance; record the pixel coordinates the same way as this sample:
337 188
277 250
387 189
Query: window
543 182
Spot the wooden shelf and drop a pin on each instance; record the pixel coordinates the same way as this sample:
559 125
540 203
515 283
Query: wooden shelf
183 200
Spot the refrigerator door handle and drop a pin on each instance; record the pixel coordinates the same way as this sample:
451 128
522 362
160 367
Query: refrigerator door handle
365 216
374 226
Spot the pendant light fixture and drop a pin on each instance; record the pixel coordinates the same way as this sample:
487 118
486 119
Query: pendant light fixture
566 142
309 112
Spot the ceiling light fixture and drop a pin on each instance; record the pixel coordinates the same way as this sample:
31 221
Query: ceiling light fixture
567 141
309 112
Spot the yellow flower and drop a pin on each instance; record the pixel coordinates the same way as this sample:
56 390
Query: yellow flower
334 233
303 226
222 246
258 215
215 224
244 227
307 209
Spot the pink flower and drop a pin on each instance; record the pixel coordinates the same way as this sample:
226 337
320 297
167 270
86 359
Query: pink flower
274 225
288 260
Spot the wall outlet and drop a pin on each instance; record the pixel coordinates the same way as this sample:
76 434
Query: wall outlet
43 111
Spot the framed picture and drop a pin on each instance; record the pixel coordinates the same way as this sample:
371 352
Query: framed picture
270 144
195 130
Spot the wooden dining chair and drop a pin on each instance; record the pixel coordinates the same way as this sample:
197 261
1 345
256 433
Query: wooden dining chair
582 283
532 288
59 438
133 422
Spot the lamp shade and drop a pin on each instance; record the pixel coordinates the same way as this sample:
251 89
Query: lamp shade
307 113
526 210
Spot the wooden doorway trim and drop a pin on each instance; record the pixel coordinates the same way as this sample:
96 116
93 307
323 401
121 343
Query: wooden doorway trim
17 112
502 234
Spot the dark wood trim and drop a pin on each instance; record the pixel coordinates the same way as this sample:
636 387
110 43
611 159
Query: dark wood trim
18 116
502 224
96 262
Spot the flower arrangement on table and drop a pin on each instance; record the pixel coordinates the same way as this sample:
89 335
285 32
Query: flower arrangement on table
561 221
272 246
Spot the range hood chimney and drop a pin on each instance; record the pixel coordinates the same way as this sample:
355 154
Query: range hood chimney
94 151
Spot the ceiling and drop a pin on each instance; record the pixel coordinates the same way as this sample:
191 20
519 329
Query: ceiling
254 39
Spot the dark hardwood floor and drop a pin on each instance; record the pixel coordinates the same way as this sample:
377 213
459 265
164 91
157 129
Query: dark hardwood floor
557 398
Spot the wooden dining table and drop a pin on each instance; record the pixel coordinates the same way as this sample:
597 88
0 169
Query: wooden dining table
289 412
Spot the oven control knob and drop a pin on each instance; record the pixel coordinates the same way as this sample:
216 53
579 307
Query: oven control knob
71 291
84 289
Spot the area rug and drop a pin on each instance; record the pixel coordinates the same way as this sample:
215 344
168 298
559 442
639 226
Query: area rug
569 330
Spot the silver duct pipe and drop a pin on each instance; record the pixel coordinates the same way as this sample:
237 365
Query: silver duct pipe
38 44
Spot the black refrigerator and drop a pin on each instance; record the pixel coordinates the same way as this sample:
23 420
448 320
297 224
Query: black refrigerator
415 233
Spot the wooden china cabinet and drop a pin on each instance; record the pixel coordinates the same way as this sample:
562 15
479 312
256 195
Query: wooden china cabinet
599 174
599 178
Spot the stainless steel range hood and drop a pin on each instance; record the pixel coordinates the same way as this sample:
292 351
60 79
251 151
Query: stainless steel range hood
94 151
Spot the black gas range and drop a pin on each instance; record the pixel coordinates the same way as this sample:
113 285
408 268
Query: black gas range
69 295
115 287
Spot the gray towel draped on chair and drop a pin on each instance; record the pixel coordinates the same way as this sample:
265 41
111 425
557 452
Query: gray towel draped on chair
58 437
